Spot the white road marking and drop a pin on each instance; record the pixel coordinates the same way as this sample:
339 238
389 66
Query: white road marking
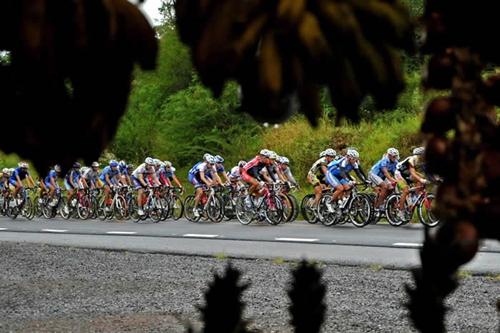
200 235
296 239
54 230
1 229
121 232
408 244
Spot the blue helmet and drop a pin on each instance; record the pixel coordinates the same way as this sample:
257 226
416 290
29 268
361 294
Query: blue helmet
113 163
219 159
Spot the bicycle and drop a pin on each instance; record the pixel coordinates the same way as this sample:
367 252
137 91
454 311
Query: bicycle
174 207
212 205
152 206
418 199
115 207
268 206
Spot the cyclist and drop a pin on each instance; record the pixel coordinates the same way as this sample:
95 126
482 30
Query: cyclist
235 174
17 176
410 171
284 167
91 175
124 173
140 179
50 182
219 168
4 181
201 174
382 175
338 176
273 171
110 178
317 173
71 181
168 174
252 173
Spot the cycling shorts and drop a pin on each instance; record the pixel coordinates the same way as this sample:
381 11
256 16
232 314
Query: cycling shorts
193 179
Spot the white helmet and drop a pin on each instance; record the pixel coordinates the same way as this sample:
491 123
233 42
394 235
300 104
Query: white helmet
330 152
206 156
219 159
168 164
149 161
5 171
265 152
95 164
57 168
23 165
285 160
418 151
393 152
211 159
322 154
156 161
273 155
242 163
352 153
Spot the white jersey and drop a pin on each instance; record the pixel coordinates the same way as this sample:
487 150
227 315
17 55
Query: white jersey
143 170
235 175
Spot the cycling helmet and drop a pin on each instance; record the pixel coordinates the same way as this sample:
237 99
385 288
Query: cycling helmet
113 163
156 161
330 152
206 156
273 155
242 163
149 161
57 168
130 166
393 152
168 164
322 154
219 159
211 160
265 152
77 165
95 164
23 165
352 153
5 171
418 151
284 160
123 164
162 164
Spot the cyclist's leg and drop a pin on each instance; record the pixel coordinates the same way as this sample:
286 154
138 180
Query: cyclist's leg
377 181
334 183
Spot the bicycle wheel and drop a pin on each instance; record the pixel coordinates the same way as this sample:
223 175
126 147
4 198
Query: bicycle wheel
155 209
287 207
273 210
120 209
103 210
392 210
229 212
28 210
307 210
215 209
176 208
244 213
328 211
360 210
295 205
188 209
425 213
64 209
83 207
12 209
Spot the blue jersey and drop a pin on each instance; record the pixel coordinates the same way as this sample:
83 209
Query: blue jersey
74 175
341 167
220 168
123 170
110 172
19 172
384 163
52 174
168 173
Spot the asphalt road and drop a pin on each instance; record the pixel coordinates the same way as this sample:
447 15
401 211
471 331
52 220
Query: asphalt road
373 245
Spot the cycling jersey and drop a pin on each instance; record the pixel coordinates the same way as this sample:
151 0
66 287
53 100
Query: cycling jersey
143 170
253 168
288 174
52 175
234 175
169 173
89 174
123 170
414 161
111 174
316 167
340 168
384 163
18 172
219 168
